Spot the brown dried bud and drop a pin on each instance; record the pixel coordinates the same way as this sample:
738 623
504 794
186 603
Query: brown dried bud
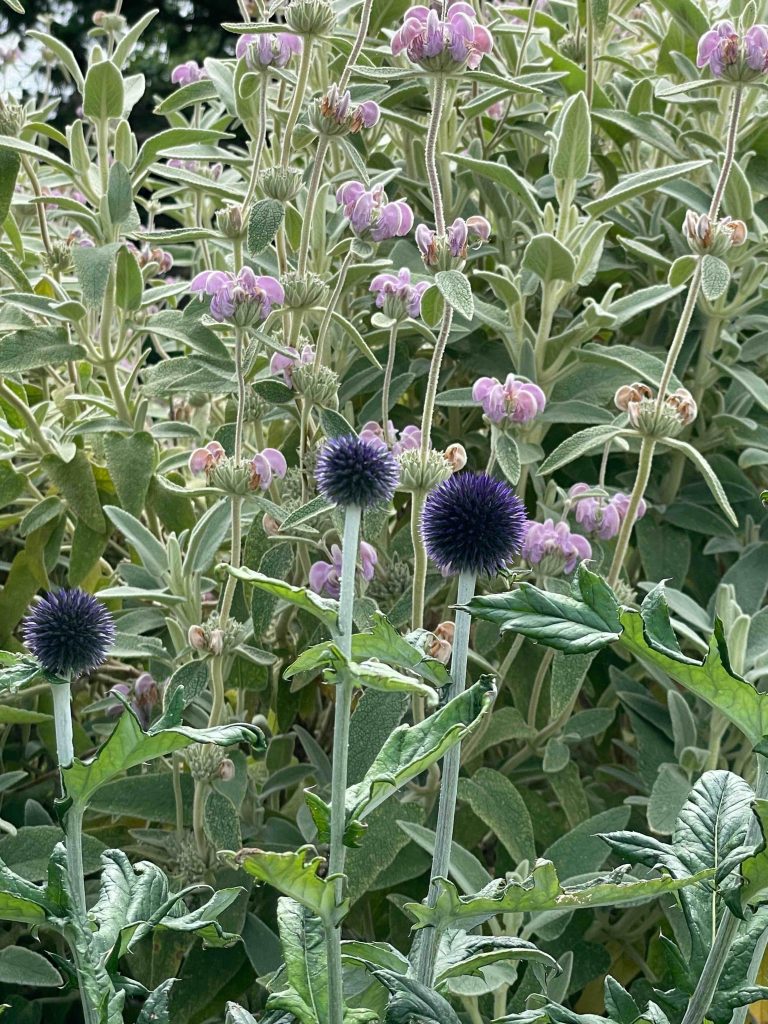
683 402
226 770
631 393
446 631
270 525
456 455
197 639
439 649
712 238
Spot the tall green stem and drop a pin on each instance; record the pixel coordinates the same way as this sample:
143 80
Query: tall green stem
298 98
446 813
644 466
386 387
343 714
261 131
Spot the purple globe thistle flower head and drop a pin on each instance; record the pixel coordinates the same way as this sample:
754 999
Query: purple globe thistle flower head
286 362
371 214
397 296
187 73
353 471
337 115
554 548
325 577
731 56
69 632
240 298
514 401
446 45
451 252
266 465
472 523
267 49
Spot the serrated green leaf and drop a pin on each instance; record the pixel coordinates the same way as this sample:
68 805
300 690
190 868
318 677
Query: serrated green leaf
295 874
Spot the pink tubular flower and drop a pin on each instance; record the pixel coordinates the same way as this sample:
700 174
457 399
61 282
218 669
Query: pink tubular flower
241 298
325 577
554 548
401 441
449 44
340 114
267 49
397 296
202 460
185 74
285 364
514 401
732 56
443 252
264 466
371 214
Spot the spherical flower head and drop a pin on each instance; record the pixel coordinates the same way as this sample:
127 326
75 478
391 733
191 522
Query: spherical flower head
473 523
69 632
354 471
446 45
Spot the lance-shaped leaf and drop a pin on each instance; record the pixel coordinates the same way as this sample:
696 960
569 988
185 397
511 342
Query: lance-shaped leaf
461 954
386 644
409 751
649 635
128 746
374 675
303 941
541 890
295 874
323 608
585 621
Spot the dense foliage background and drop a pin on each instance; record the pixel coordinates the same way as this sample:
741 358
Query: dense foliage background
572 202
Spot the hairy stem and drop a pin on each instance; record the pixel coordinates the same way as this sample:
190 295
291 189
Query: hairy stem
730 152
386 387
261 131
644 466
298 98
446 813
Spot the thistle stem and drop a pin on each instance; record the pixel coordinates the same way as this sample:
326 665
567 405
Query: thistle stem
446 813
419 563
343 714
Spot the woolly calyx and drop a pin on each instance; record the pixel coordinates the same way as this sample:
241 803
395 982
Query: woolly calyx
352 471
69 632
473 523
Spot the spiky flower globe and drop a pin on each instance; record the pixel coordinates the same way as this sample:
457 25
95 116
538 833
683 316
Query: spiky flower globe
70 633
352 471
472 523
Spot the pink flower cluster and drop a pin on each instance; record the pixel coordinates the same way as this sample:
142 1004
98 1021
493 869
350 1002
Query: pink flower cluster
732 56
371 214
267 49
514 401
325 577
397 296
338 107
187 73
554 545
600 516
460 234
264 465
143 696
212 171
286 363
407 439
443 44
242 297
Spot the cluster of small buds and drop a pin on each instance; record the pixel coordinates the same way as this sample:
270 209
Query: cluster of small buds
677 411
59 258
77 236
108 21
187 73
267 50
553 548
240 298
205 170
514 401
443 45
418 476
310 17
211 638
255 474
318 385
146 255
441 644
285 362
12 118
397 296
335 114
282 183
731 55
713 238
230 221
371 214
325 577
600 515
143 696
405 440
386 588
451 251
303 291
573 46
205 761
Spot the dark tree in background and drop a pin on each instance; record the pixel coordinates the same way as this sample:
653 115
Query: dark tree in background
182 30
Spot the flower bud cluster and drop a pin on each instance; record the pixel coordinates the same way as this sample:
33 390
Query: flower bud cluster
239 298
237 477
706 237
443 45
514 401
211 638
677 411
187 73
325 577
143 696
733 55
600 514
553 548
396 296
450 252
371 214
281 183
267 50
310 17
336 115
